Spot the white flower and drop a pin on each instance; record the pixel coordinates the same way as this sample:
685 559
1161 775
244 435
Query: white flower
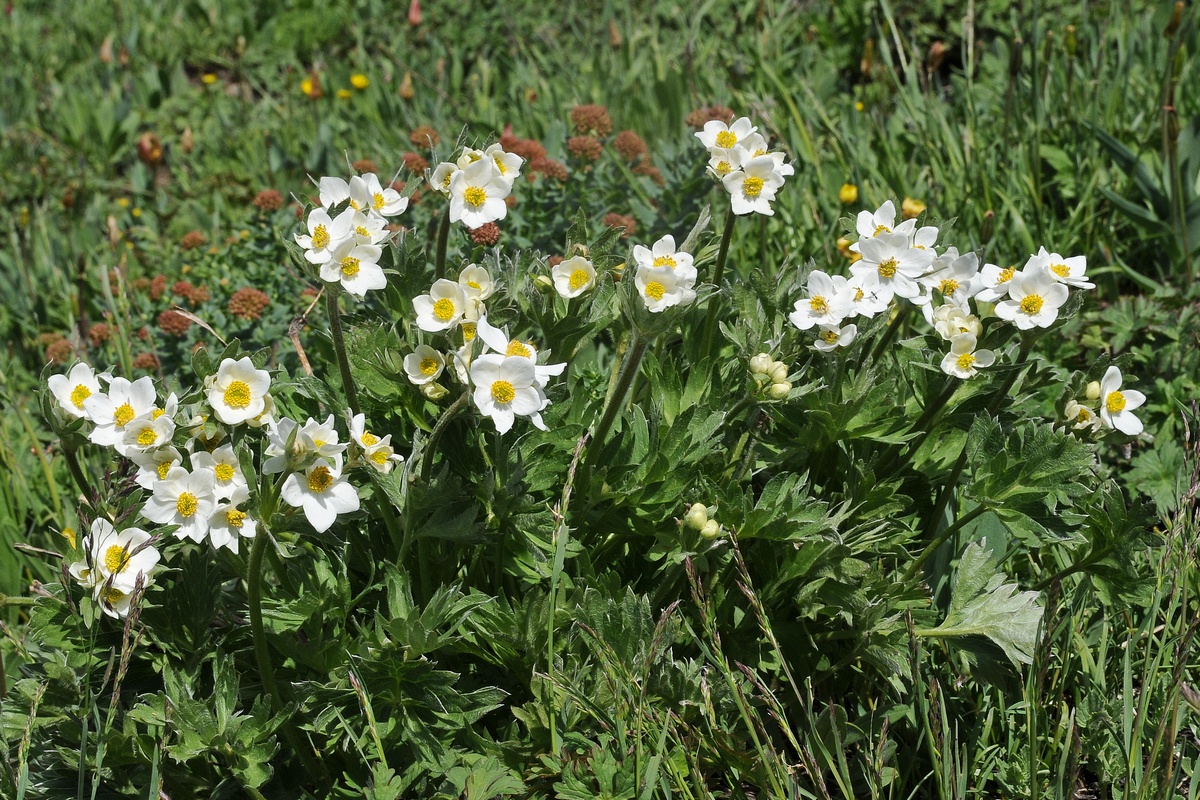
424 365
753 187
439 180
442 308
146 433
279 435
238 391
1033 300
828 304
573 277
950 320
477 194
867 297
995 282
963 360
153 465
332 191
369 229
115 559
506 387
1081 417
122 404
355 266
229 523
324 234
832 337
507 164
955 276
893 263
227 472
1116 406
377 453
185 499
882 220
321 438
498 341
366 194
717 134
1064 270
663 254
723 161
321 492
72 389
476 282
663 287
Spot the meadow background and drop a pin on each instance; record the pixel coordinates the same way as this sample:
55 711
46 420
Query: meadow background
153 155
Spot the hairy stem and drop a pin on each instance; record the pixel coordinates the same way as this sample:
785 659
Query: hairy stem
633 362
339 346
438 429
443 237
714 302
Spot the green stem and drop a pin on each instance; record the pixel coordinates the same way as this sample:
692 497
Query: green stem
7 600
964 520
266 671
76 471
633 361
339 346
714 302
892 329
436 434
443 237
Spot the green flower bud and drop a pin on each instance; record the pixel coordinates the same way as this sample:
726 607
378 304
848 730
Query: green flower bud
761 364
697 516
779 372
778 391
711 529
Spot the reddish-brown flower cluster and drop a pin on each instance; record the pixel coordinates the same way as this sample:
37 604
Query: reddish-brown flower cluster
99 333
365 165
529 149
486 235
629 145
585 148
195 295
697 118
158 287
591 119
644 167
248 303
173 323
193 239
554 261
268 200
615 220
59 349
146 361
424 137
548 167
415 163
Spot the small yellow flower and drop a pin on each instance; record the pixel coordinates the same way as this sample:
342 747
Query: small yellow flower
858 106
208 79
359 81
344 94
123 202
137 212
911 209
848 194
69 535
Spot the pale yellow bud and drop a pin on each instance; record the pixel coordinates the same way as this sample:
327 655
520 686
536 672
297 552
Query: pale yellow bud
761 364
697 516
779 372
711 529
778 391
1093 390
433 391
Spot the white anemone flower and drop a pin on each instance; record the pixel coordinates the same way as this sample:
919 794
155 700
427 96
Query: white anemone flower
663 254
72 389
333 191
1081 417
356 267
893 263
238 391
949 320
995 282
963 360
724 161
1116 406
146 433
279 432
573 277
115 558
424 365
185 499
1070 271
477 194
507 164
324 234
153 465
753 187
506 387
834 336
439 179
377 453
369 229
1034 299
662 287
498 341
827 305
882 220
717 134
476 282
229 524
321 492
122 404
321 438
442 308
368 195
867 298
227 472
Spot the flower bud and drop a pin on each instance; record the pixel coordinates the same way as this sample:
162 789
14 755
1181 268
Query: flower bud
187 142
543 284
406 87
711 529
912 208
433 391
1070 42
1093 390
848 194
1175 21
697 516
149 149
778 391
761 364
779 372
414 13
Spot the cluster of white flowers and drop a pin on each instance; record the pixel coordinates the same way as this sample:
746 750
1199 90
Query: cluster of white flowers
665 276
347 247
741 159
198 486
1106 406
505 379
478 182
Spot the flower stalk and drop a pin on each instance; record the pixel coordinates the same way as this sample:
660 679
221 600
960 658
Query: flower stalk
339 347
714 302
616 398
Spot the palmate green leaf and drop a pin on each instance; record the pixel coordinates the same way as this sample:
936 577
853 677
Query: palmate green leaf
982 604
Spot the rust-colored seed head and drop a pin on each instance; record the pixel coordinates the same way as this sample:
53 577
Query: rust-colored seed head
424 137
60 351
193 239
704 114
415 163
173 323
585 148
99 333
548 167
615 220
268 200
146 361
591 119
365 165
486 235
629 145
248 303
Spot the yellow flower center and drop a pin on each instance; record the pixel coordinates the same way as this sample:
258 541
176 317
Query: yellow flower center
516 348
350 266
156 413
69 535
888 268
355 205
858 295
235 518
881 229
319 480
664 261
113 595
1005 275
578 279
162 469
444 309
123 415
1084 415
830 337
818 305
79 394
380 456
1115 402
237 395
752 186
187 504
361 231
369 438
655 290
377 201
116 559
503 392
966 360
1032 304
320 237
224 472
948 286
474 196
147 436
468 329
429 366
1061 270
500 165
724 168
726 139
475 285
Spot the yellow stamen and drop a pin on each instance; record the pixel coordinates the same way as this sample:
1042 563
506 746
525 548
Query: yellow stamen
503 392
664 261
1061 270
235 518
116 559
1032 304
123 415
948 286
655 290
79 394
147 436
429 366
237 395
726 139
1115 402
444 309
881 229
1005 275
224 472
468 329
516 348
830 337
187 504
319 480
320 237
162 469
818 305
579 278
475 196
350 266
752 186
368 439
966 360
888 268
377 201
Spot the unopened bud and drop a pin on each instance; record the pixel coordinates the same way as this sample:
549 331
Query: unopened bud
1093 390
1070 42
696 517
912 208
711 529
1014 57
106 50
433 391
414 13
848 194
843 247
868 58
149 149
937 55
406 87
1175 21
779 372
614 34
761 364
187 142
989 221
778 391
543 284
